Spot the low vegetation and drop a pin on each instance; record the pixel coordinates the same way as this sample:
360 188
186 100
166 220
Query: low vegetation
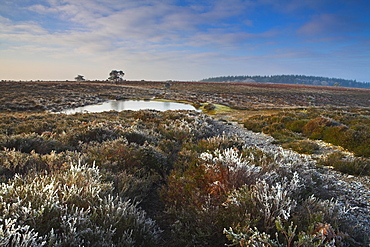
177 178
297 129
148 178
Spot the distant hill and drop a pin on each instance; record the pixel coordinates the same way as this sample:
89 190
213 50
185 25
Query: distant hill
291 79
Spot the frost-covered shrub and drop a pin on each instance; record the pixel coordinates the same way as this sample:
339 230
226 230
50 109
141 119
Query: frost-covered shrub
119 155
75 207
342 219
229 168
263 202
285 236
12 234
18 162
13 160
188 127
130 223
194 209
274 201
250 237
201 192
212 143
285 217
221 142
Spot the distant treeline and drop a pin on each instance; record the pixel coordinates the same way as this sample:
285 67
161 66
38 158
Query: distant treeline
291 79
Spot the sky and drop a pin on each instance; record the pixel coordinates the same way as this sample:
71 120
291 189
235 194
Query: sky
183 40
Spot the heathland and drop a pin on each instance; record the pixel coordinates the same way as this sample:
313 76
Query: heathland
261 165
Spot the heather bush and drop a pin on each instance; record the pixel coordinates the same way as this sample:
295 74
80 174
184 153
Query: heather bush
203 187
119 155
194 197
285 236
73 206
94 134
271 197
255 124
23 163
18 162
201 192
285 221
181 129
31 142
221 142
12 234
315 128
137 137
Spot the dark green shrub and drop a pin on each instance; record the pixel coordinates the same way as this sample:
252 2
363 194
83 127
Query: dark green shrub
354 166
314 128
137 137
269 129
31 142
153 159
302 147
254 125
87 135
296 126
337 135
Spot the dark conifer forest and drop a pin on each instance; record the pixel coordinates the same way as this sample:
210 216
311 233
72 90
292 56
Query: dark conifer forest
291 79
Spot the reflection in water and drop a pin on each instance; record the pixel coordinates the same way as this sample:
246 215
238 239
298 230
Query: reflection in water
114 104
133 105
167 105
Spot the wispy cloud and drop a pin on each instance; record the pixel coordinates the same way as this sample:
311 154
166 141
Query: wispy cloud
204 36
134 24
326 25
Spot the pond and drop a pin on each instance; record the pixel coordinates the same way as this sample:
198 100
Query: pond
133 105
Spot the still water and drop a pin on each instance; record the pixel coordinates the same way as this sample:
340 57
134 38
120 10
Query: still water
133 105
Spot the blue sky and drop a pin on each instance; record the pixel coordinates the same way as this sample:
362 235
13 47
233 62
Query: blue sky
183 40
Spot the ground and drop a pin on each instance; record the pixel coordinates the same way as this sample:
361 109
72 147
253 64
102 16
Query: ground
230 104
